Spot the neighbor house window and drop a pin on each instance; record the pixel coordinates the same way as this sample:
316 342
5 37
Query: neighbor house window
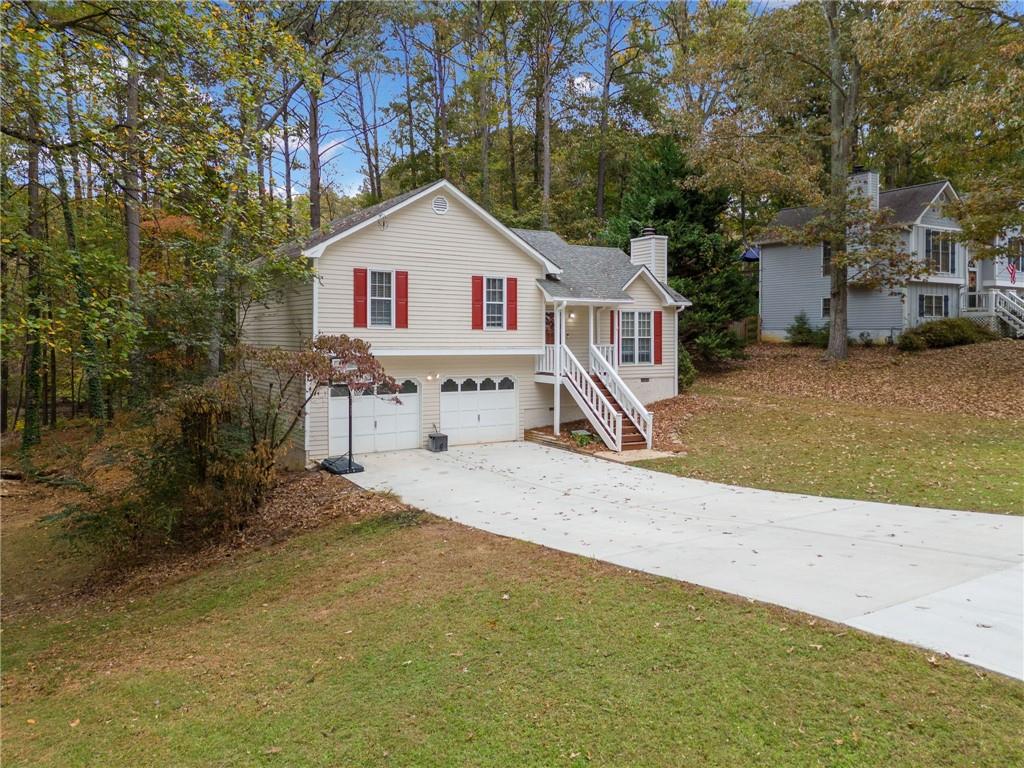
636 343
494 302
933 305
382 299
1015 255
940 251
826 307
826 259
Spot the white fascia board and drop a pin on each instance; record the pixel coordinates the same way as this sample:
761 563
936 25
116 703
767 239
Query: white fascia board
455 351
939 194
549 267
656 284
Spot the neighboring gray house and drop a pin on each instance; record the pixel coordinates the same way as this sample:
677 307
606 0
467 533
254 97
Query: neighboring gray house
795 278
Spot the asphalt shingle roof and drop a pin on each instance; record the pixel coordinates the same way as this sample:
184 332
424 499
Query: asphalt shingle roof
906 203
348 221
588 271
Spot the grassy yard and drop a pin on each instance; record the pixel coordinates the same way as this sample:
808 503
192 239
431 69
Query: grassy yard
941 429
405 640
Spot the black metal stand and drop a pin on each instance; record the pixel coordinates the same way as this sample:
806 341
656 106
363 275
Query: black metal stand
341 465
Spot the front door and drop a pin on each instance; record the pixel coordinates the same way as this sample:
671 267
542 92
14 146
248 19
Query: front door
972 285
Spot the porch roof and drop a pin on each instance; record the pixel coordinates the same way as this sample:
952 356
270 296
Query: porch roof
589 272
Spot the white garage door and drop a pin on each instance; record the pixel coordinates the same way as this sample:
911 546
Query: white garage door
379 423
479 409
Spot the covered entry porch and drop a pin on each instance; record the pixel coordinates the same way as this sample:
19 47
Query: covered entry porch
582 353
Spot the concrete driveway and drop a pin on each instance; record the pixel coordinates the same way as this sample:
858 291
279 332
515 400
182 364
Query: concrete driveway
949 581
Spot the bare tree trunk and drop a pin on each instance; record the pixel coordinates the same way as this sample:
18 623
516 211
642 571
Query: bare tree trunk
606 82
52 371
31 434
94 388
404 41
509 119
843 94
314 160
134 182
546 192
287 150
483 107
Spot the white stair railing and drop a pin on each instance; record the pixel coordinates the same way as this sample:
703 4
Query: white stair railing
601 413
1010 308
607 352
546 362
622 394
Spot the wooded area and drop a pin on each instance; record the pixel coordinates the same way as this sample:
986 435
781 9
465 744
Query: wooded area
156 154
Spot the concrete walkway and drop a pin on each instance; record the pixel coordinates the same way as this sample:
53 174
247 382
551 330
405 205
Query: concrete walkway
949 581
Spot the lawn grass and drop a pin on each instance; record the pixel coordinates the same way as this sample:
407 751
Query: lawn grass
413 641
849 450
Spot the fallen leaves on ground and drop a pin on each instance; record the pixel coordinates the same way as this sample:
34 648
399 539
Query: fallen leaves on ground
978 379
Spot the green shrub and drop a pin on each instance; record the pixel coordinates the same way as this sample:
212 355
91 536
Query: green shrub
948 332
911 342
802 334
716 347
687 371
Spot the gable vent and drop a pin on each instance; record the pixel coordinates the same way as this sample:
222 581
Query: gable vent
440 205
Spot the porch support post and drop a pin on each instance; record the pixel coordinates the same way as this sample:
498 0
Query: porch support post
557 425
590 328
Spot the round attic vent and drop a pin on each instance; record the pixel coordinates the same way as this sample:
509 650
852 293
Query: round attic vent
440 205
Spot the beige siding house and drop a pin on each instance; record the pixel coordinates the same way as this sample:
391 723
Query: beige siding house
489 331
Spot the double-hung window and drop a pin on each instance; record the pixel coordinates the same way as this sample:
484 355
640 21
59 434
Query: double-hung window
382 299
933 305
826 259
636 344
826 306
940 251
494 302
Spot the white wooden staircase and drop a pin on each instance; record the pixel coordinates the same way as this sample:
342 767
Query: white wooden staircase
616 414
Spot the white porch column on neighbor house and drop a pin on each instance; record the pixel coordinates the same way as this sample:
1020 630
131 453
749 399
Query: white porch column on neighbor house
590 328
559 320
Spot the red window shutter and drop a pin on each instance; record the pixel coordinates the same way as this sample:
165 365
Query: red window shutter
478 302
657 337
359 301
611 326
401 299
511 304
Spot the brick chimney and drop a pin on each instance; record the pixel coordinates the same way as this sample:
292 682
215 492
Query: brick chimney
651 251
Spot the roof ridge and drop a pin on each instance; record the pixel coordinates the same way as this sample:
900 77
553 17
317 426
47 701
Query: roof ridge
914 186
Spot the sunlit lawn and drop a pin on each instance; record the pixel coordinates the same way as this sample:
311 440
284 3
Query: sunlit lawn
892 454
419 642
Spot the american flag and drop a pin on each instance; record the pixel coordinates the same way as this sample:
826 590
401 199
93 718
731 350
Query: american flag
1012 269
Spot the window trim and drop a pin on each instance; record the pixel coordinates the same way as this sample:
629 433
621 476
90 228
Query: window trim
826 307
504 303
943 235
826 266
636 337
370 272
938 297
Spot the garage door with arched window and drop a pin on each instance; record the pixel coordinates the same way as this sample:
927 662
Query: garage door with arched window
381 421
479 409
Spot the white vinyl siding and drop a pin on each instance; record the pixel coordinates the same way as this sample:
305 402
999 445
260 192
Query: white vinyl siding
382 299
494 303
441 254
